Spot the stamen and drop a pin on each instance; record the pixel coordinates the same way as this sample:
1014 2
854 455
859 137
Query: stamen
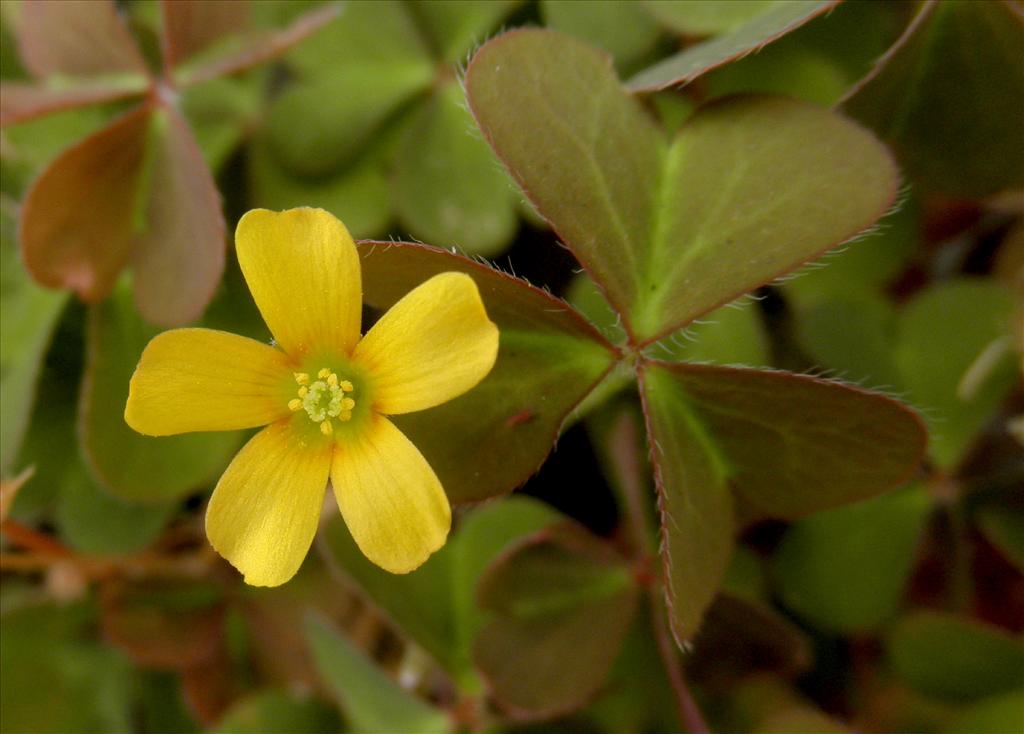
323 399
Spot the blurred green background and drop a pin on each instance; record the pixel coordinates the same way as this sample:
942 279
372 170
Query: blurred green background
900 613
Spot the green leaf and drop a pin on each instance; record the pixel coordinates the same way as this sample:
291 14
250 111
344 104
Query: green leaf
562 603
867 264
454 27
379 34
949 94
491 439
819 61
845 570
694 501
372 700
955 659
220 113
853 335
436 605
995 715
28 316
53 679
621 27
278 711
448 188
1003 526
340 114
705 17
954 352
779 17
92 521
359 196
672 233
131 466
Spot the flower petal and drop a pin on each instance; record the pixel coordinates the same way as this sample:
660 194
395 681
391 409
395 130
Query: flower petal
303 271
391 499
433 345
265 510
205 380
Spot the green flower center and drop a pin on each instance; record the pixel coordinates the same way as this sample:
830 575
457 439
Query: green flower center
324 399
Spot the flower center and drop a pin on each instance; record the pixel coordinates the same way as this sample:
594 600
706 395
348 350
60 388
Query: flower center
323 399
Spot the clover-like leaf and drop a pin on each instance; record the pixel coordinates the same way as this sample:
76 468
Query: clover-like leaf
549 359
28 316
79 217
788 444
751 188
190 27
178 256
80 38
474 210
562 603
845 569
436 604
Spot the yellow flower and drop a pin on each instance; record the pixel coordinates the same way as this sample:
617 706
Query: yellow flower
323 393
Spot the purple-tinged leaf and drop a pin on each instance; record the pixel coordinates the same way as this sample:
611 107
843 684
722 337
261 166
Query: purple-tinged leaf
694 502
78 218
254 48
778 19
562 603
20 102
751 188
788 444
178 257
795 444
549 359
76 38
192 25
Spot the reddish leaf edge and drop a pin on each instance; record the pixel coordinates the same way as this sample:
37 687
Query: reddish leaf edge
588 267
891 202
50 101
28 206
907 411
633 341
572 535
644 363
258 50
176 119
633 87
924 14
659 488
